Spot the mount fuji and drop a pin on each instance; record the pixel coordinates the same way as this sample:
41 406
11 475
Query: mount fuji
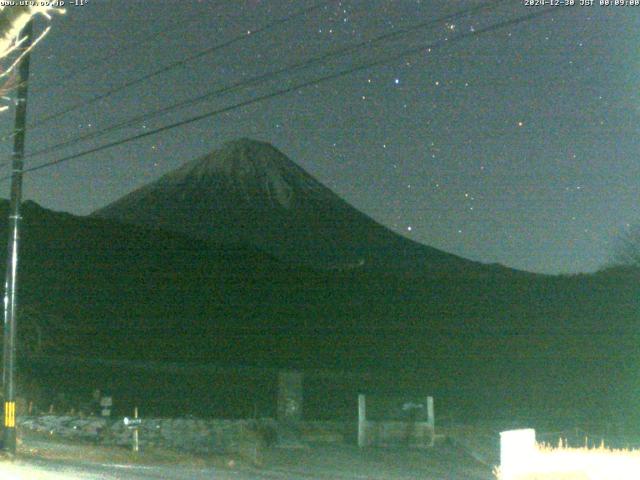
248 192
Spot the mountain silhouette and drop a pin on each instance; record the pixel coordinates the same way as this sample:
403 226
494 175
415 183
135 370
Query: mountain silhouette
248 192
99 289
189 269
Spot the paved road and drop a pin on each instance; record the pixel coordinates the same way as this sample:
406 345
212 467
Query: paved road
77 470
69 470
50 460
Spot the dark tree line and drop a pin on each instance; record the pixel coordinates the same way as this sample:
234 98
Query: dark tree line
626 248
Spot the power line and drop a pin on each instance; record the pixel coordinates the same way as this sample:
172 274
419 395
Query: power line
267 76
280 92
178 63
373 330
300 86
99 60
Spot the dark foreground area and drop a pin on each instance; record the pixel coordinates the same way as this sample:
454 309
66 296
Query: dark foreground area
41 458
178 326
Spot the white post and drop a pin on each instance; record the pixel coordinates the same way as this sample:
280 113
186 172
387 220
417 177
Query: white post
431 419
517 450
362 420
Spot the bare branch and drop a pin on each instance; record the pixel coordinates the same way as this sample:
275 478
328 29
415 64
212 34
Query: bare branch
626 250
12 22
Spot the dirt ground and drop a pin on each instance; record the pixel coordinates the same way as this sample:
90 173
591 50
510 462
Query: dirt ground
444 461
322 461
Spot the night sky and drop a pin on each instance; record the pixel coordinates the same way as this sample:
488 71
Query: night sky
516 146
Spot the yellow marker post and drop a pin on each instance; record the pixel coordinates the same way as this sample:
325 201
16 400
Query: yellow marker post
136 439
9 414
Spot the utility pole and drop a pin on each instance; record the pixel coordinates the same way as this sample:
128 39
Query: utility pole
11 282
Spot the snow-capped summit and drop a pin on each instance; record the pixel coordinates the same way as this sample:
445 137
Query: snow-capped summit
254 170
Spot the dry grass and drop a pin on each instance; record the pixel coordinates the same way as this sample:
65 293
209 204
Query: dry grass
44 447
566 463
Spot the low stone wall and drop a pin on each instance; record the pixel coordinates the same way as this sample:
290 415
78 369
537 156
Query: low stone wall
327 431
246 438
390 433
187 434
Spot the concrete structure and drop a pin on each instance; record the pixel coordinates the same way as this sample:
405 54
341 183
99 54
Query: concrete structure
289 397
517 450
383 432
